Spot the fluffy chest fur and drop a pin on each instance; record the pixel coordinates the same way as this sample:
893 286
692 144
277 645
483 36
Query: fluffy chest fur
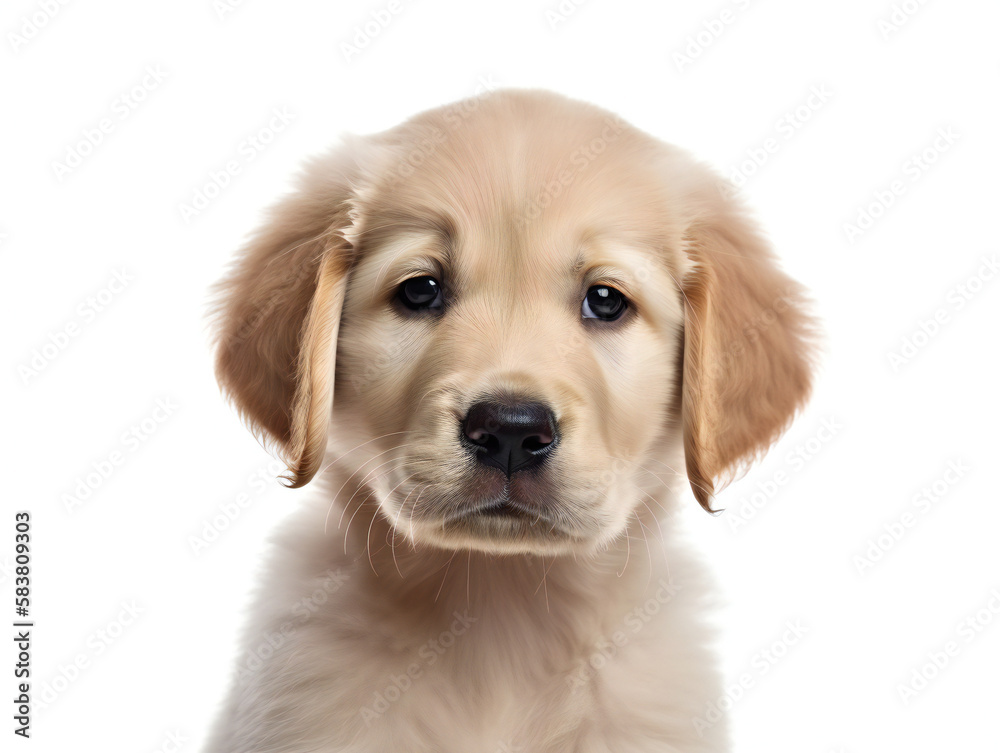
427 650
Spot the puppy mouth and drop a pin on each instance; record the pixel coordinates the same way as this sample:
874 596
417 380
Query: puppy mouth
511 512
503 525
502 508
498 515
487 509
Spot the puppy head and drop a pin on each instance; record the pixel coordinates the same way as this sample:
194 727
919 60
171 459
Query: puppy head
507 317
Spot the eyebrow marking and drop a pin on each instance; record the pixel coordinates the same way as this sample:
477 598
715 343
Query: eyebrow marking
613 276
410 252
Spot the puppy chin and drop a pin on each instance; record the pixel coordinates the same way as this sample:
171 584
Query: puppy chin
498 537
494 525
486 511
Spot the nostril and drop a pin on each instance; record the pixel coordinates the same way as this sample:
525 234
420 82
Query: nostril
479 436
489 443
536 442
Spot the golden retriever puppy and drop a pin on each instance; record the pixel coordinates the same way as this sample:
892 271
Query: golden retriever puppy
499 339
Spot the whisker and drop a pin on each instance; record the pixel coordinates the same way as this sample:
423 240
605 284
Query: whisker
402 505
657 477
336 460
445 576
545 573
545 577
361 504
666 513
392 548
375 515
668 467
649 554
413 539
468 580
628 556
361 484
653 515
682 475
429 392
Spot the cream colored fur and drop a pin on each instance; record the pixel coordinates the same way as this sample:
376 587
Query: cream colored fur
393 619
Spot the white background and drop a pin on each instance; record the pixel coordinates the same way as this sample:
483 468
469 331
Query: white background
888 92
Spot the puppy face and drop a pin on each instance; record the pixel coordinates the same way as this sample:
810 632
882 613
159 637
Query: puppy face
524 370
507 319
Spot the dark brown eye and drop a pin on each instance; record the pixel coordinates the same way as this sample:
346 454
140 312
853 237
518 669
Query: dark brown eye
419 293
603 302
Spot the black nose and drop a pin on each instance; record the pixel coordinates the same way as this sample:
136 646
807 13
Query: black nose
511 436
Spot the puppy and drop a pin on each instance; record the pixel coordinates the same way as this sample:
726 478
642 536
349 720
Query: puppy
500 339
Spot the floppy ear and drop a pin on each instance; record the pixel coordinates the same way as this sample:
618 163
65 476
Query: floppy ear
746 349
279 313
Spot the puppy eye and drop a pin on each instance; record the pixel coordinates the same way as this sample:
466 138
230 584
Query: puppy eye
603 302
420 293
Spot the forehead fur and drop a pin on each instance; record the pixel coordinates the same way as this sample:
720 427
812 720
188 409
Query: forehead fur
518 171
